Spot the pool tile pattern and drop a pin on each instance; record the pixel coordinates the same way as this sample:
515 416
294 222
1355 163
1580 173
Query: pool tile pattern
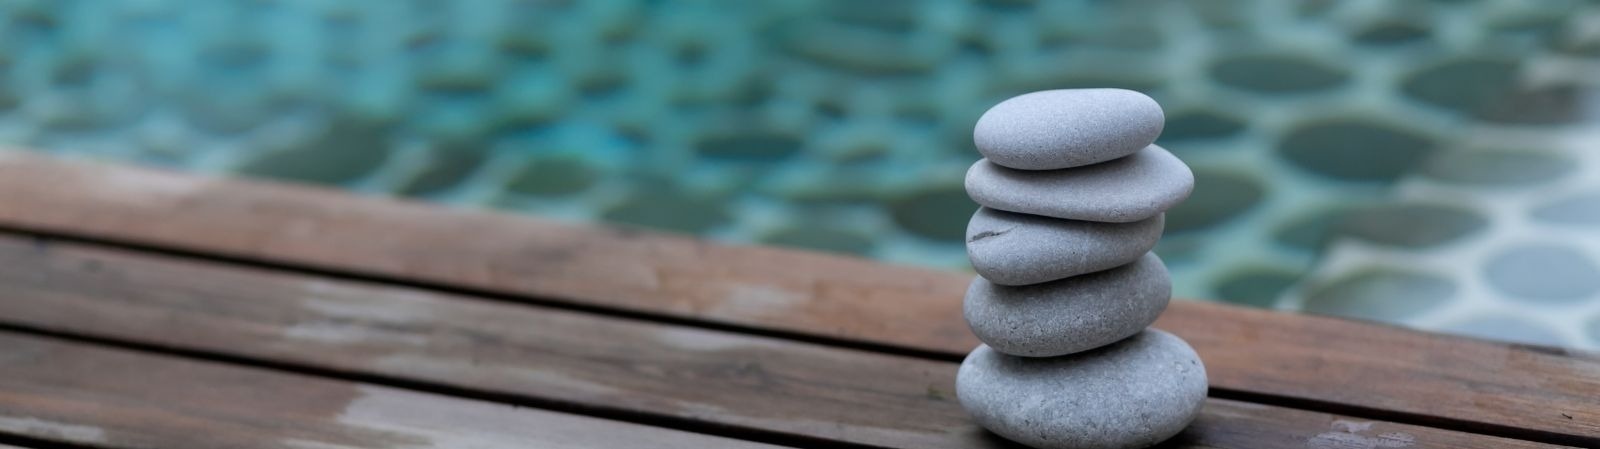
1427 163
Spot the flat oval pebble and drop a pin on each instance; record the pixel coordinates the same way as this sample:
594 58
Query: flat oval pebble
1128 189
1018 249
1065 128
1071 315
1132 394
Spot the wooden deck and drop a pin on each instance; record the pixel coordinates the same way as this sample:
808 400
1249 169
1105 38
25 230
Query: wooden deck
144 309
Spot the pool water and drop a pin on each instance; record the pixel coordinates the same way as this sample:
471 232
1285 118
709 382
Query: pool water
1428 163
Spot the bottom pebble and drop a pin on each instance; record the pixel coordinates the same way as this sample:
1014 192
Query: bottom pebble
1131 394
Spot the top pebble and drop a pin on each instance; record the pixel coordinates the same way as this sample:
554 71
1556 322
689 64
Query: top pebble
1055 129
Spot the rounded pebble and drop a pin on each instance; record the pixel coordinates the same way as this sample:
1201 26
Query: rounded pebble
1313 230
1356 149
1464 85
821 238
1258 286
1592 330
1503 326
1277 74
1544 272
1582 209
1386 34
1557 104
555 175
1220 195
1018 249
1056 129
1412 224
1124 190
346 151
1132 394
448 167
1200 125
932 213
1070 315
1381 294
749 146
670 209
1497 168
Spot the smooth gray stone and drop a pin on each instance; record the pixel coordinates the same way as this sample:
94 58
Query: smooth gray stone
1132 394
1054 129
1128 189
1070 315
1018 249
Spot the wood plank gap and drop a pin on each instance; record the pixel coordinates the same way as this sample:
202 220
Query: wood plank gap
14 441
1437 422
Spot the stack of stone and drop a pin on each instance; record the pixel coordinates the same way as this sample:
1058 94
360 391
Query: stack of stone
1073 192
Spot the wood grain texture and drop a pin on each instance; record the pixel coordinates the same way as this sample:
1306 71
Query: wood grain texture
805 392
1486 386
1458 382
83 395
594 266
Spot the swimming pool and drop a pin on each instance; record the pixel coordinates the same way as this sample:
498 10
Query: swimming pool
1434 164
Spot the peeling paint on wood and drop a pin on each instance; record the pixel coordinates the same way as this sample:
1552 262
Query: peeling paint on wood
1353 435
97 396
55 430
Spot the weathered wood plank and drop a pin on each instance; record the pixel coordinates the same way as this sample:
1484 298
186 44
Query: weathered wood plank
631 270
1490 387
1495 387
72 393
576 360
792 390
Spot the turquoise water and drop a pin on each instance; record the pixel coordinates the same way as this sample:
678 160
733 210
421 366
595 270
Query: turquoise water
1429 163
